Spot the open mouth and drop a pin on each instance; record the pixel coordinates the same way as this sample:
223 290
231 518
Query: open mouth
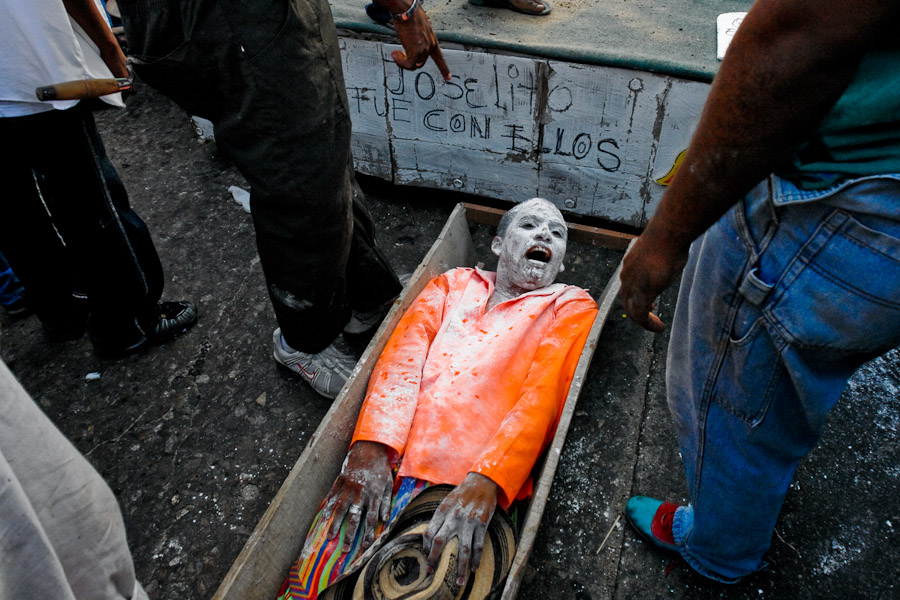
539 254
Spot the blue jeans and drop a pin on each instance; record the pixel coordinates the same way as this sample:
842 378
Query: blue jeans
780 302
10 287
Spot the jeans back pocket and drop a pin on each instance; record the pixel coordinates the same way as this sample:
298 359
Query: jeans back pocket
842 292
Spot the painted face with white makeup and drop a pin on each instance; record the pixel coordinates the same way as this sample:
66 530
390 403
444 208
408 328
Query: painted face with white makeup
531 245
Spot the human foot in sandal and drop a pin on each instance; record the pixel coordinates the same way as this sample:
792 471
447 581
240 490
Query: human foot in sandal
536 8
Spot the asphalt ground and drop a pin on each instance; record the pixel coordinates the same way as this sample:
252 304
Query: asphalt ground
195 437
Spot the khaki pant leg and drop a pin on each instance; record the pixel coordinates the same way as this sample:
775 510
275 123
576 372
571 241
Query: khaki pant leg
61 530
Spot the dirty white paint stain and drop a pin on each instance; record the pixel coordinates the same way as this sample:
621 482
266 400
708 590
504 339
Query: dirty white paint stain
838 556
873 381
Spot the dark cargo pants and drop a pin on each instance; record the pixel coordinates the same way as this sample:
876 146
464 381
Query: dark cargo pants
67 225
268 75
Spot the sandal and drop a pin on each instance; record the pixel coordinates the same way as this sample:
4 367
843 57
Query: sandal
511 6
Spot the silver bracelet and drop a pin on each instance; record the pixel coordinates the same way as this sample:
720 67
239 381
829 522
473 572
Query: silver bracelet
407 15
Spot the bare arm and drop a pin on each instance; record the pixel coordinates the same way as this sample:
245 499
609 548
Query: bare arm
86 15
788 63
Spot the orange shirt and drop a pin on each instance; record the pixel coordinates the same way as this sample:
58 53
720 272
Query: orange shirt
458 390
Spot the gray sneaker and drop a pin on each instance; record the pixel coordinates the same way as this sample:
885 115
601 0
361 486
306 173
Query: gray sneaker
326 371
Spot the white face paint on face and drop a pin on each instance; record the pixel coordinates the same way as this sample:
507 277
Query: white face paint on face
533 247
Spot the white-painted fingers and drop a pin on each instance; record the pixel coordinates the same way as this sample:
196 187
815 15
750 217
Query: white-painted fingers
364 484
386 501
354 516
464 551
335 507
478 544
372 513
432 541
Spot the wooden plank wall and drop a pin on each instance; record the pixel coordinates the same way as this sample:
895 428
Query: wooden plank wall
592 139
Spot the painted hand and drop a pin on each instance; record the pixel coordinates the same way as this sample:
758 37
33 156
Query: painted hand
464 514
647 270
364 485
419 42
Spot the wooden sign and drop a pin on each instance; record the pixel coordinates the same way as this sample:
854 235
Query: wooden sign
595 140
476 133
607 131
599 139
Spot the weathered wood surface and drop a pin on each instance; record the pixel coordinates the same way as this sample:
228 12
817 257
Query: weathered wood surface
595 236
367 100
259 569
592 139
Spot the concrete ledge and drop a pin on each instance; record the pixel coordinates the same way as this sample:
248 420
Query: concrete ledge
676 37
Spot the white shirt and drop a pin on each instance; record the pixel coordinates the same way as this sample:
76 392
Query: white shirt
41 45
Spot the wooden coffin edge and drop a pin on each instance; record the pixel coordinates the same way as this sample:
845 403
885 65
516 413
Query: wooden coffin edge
595 236
259 569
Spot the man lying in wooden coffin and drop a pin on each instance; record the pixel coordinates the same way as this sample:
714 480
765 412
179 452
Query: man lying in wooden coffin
462 402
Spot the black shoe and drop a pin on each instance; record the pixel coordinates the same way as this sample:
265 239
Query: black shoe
174 319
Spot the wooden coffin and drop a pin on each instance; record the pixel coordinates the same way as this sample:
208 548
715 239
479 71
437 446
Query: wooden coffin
260 568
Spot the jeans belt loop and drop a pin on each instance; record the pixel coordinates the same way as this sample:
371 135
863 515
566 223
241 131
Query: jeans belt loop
754 289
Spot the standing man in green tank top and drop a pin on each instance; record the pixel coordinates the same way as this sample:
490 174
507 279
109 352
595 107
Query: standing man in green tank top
785 217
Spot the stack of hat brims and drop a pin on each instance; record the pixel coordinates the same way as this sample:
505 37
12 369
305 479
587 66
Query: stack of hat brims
398 570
